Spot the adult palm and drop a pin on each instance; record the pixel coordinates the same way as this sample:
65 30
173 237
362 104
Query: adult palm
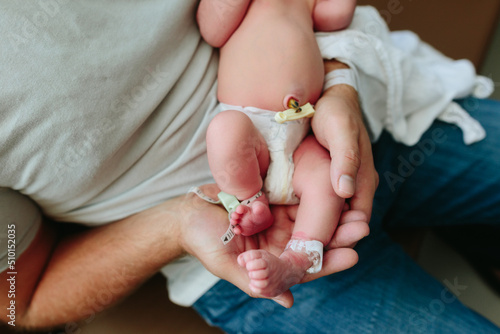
205 223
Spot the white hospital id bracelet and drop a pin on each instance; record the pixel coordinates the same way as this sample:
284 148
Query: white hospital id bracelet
344 76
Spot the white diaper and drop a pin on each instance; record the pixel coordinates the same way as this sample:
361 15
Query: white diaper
282 140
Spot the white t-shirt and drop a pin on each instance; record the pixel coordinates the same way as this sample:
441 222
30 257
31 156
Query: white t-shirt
105 106
104 110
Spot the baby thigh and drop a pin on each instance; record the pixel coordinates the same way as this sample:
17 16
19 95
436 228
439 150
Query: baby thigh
237 154
320 207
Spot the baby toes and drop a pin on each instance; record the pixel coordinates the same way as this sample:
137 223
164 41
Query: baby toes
259 274
244 259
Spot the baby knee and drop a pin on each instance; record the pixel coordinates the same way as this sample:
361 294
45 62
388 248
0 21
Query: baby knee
231 123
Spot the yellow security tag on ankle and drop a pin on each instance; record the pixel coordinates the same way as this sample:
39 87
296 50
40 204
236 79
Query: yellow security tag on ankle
306 110
230 202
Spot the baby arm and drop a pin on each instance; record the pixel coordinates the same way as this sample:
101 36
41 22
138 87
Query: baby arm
331 15
218 19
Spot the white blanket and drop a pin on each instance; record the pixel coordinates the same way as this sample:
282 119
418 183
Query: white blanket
404 83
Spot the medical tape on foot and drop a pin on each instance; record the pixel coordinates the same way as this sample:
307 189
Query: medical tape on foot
313 249
230 203
343 76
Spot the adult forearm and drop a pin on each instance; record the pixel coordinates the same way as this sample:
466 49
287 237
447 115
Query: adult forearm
91 271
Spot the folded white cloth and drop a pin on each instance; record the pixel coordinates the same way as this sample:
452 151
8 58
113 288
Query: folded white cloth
404 84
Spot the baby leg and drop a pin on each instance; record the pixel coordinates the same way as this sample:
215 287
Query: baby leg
317 217
238 158
320 207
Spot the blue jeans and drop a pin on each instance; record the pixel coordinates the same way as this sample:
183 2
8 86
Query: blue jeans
440 181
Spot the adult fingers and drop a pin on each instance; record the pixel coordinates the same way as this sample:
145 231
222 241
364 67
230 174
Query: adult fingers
346 158
367 179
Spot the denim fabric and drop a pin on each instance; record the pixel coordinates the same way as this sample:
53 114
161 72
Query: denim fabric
439 181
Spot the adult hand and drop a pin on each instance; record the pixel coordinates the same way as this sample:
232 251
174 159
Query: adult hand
338 126
205 223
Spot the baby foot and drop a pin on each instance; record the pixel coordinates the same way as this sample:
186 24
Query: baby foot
252 218
269 275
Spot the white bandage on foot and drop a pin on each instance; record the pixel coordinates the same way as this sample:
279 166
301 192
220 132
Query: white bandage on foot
343 76
313 249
